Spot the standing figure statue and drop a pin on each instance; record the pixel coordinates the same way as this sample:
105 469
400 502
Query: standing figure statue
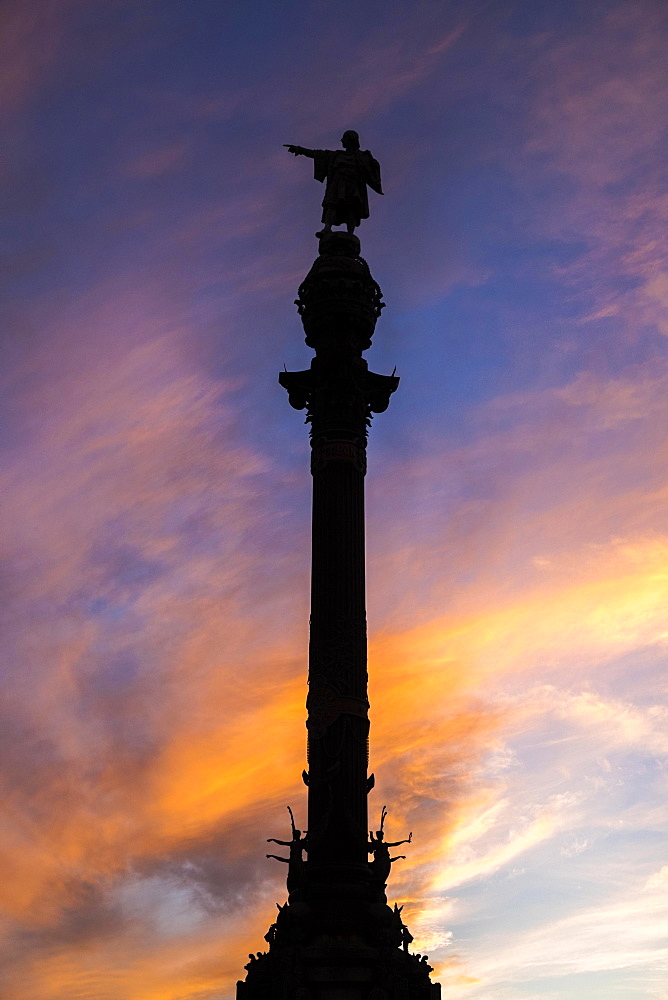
406 937
348 172
382 862
297 846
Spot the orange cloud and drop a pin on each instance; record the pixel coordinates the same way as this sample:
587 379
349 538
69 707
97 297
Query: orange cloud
159 789
205 774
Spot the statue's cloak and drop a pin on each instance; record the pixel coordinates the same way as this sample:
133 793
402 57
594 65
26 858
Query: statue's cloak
347 172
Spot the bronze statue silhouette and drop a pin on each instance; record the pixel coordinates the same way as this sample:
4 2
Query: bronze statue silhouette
297 846
348 172
378 846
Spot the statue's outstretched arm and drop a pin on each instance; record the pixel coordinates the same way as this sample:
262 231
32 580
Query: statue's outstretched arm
283 843
299 150
400 842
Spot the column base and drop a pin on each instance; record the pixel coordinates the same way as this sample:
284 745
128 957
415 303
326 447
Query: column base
320 950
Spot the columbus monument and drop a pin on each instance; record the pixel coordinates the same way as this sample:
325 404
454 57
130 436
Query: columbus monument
336 937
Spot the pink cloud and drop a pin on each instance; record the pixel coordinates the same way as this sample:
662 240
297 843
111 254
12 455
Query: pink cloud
505 576
139 789
156 162
30 43
596 117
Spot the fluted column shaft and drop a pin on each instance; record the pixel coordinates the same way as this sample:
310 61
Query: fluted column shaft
337 702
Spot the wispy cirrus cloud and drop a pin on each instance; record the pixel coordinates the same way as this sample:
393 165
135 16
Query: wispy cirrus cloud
596 121
152 791
528 756
626 938
155 545
30 44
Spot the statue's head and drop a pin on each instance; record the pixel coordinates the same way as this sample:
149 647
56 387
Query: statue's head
350 139
379 834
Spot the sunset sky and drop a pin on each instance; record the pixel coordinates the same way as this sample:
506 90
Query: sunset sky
156 493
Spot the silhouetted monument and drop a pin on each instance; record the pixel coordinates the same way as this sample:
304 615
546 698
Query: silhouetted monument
336 938
347 171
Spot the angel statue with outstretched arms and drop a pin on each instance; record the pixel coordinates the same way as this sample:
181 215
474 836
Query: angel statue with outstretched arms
348 172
